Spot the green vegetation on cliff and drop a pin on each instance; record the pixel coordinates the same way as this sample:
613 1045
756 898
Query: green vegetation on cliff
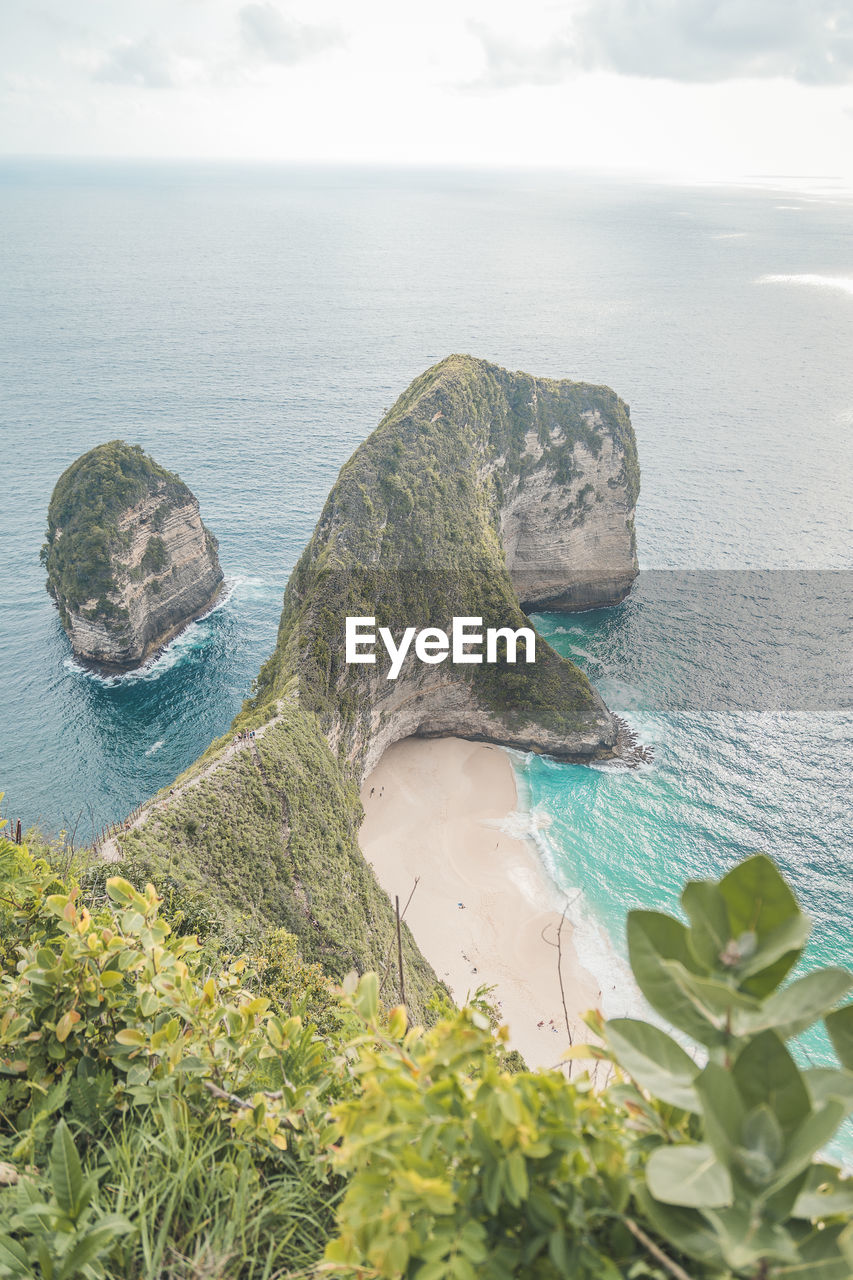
269 838
167 1110
83 537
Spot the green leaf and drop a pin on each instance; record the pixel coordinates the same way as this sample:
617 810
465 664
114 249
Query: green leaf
654 1060
797 1006
830 1082
774 956
762 1145
689 1175
845 1243
131 1037
778 1204
757 897
111 978
39 1217
91 1245
558 1251
830 1268
722 1110
822 1257
840 1027
760 902
517 1182
719 995
65 1025
191 1065
825 1194
748 1240
709 921
654 938
65 1170
13 1258
765 1072
686 1229
816 1130
121 891
367 996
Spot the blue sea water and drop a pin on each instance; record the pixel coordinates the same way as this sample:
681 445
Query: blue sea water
740 684
248 327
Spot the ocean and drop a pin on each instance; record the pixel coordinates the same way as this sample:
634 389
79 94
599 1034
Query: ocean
249 326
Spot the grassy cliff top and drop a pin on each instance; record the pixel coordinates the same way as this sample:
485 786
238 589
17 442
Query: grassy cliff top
82 519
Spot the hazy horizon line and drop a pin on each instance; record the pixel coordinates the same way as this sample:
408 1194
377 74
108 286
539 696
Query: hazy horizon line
842 184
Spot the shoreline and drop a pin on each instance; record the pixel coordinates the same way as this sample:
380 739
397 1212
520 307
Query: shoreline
112 674
155 648
436 810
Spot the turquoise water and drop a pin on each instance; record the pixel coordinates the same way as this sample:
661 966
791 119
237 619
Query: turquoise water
741 685
250 326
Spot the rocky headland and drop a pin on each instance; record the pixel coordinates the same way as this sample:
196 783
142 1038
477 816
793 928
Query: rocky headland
129 562
480 491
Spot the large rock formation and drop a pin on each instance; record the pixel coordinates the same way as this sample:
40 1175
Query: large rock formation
129 562
479 489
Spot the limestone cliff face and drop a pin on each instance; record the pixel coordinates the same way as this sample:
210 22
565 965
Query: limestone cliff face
424 705
571 546
482 491
129 561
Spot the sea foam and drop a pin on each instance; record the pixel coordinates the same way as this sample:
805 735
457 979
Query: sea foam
193 637
593 944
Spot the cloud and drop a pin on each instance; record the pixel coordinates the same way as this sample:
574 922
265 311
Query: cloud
704 41
268 33
509 63
142 63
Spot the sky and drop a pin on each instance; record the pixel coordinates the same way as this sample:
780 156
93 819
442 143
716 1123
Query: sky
698 89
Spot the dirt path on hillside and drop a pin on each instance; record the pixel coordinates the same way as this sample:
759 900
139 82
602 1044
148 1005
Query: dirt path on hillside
109 850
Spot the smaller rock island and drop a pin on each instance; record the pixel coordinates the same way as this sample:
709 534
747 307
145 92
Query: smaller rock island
129 562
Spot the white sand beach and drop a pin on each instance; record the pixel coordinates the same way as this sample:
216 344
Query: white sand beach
433 810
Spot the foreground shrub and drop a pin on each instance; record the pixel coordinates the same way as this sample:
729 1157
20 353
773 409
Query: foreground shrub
168 1112
461 1170
65 1235
741 1193
195 1096
696 1166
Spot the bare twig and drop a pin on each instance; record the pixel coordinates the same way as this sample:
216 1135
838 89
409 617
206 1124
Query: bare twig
560 976
657 1253
390 950
400 954
235 1100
